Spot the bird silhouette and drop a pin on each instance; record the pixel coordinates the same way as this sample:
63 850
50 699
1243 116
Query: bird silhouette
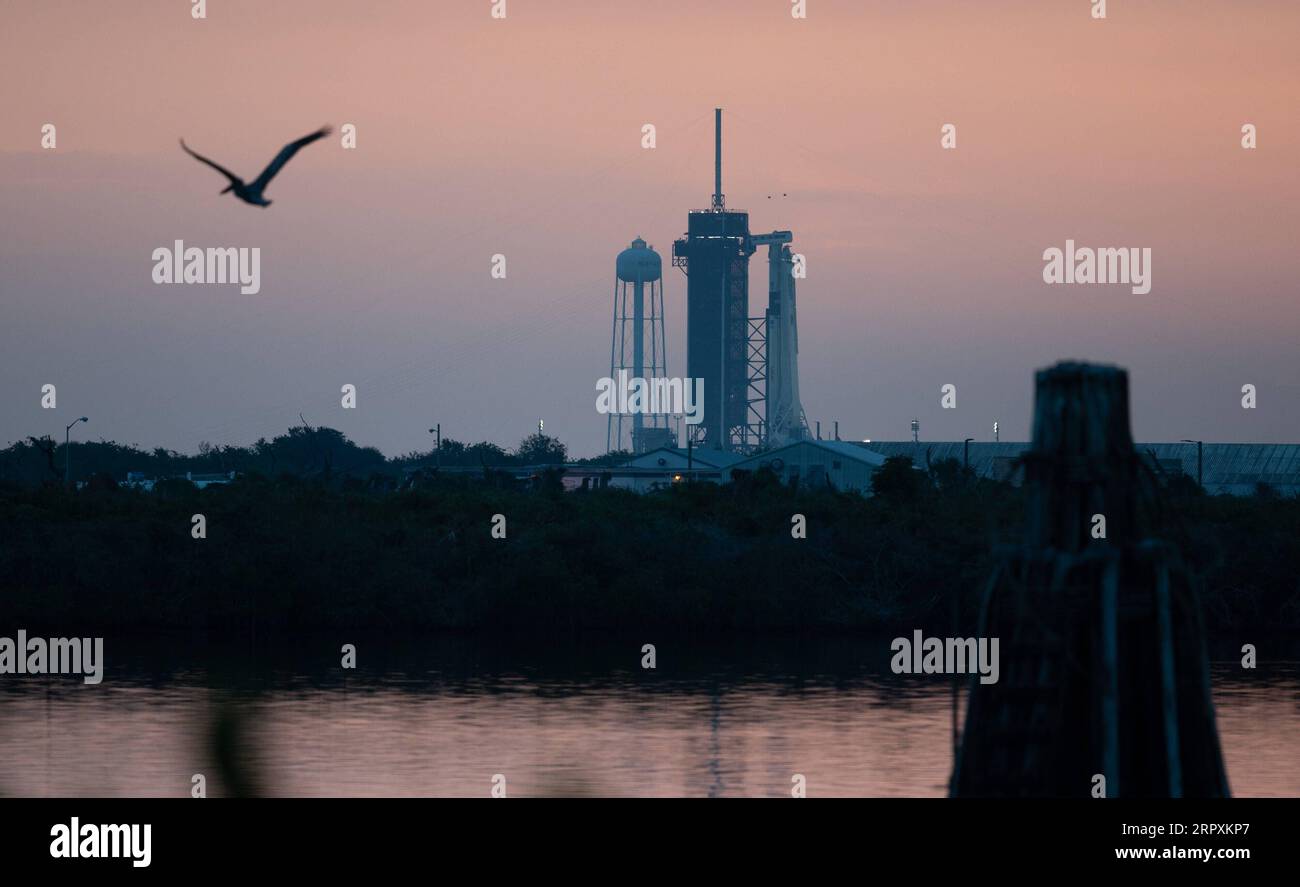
251 192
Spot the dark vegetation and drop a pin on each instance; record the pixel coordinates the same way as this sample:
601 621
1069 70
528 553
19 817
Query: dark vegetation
316 533
307 452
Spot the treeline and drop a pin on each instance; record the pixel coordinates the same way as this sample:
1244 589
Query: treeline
304 452
288 552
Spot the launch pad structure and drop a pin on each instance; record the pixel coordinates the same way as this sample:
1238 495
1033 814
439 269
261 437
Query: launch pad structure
750 365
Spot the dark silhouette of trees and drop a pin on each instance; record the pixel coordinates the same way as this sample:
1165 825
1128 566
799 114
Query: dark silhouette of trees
539 449
898 480
357 550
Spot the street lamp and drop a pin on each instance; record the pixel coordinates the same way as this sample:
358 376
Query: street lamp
1200 444
437 430
67 451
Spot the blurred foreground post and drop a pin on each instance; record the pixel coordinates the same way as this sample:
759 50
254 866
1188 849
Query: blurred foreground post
1104 671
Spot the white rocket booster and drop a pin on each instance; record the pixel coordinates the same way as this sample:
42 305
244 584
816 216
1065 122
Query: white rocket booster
785 418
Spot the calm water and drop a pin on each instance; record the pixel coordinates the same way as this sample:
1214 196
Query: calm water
441 716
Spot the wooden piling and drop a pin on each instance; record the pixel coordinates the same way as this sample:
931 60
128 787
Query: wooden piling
1103 670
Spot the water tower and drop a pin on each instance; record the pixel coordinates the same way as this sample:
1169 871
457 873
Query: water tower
637 350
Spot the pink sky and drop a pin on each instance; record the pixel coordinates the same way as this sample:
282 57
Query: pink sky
522 137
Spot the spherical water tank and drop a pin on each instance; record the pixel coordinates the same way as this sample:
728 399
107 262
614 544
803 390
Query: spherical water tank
638 262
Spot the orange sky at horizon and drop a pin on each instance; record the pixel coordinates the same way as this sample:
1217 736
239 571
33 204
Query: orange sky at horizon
522 137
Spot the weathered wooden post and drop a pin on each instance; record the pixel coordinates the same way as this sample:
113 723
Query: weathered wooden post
1104 671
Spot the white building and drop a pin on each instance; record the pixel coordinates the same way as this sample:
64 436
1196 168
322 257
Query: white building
137 480
669 465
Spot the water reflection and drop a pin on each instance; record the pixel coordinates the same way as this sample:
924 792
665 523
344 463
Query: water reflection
441 718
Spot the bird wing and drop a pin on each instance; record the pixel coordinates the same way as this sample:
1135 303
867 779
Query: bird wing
234 179
285 154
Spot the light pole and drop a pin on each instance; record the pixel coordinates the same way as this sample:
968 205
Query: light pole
1200 444
67 451
437 448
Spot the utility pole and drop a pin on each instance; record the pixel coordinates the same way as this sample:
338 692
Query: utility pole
67 451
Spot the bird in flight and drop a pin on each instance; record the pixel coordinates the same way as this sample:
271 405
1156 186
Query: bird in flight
251 192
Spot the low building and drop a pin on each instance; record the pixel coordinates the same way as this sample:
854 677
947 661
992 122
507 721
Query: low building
136 480
1236 469
831 463
209 480
668 465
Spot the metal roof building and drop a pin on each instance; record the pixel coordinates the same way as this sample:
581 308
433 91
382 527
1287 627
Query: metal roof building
1227 467
833 463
